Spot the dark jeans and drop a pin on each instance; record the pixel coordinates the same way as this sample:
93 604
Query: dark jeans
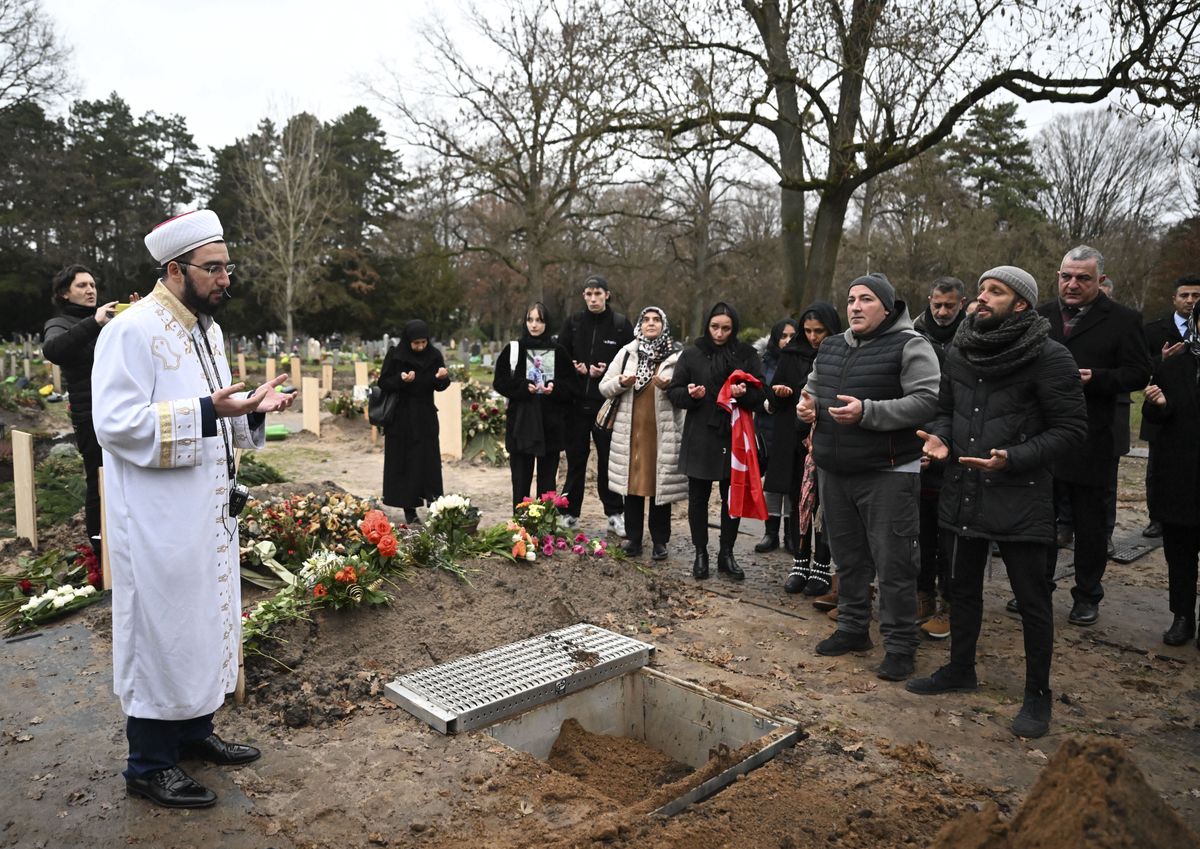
581 431
93 459
521 466
699 492
1091 541
635 518
1030 568
1066 515
934 576
1181 547
154 743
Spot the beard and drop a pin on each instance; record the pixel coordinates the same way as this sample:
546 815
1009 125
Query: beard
192 298
992 320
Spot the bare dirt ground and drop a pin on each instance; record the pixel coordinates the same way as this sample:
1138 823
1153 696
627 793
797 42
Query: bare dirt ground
343 767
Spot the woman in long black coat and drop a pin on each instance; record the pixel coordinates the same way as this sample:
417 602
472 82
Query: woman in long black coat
69 341
781 335
1173 404
412 456
702 370
785 464
527 374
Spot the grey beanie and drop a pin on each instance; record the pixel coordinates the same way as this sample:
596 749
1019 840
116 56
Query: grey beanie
595 281
1017 279
880 285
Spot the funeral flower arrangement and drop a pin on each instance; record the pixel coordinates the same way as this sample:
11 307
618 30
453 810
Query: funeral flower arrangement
483 419
540 516
542 532
48 587
454 519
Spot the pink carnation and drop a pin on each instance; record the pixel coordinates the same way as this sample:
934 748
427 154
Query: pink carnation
548 550
578 549
548 496
560 543
581 538
599 552
561 501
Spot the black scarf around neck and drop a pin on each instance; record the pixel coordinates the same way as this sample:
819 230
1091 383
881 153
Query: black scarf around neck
1001 350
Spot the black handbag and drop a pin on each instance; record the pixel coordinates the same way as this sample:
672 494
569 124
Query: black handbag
381 407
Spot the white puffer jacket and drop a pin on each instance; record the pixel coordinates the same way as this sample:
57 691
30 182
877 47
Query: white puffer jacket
670 484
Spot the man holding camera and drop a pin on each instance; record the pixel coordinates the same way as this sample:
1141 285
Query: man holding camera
169 420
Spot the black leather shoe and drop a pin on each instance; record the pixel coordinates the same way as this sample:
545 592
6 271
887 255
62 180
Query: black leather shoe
727 564
1084 613
1181 630
842 642
659 552
895 667
171 788
943 680
216 751
1012 606
769 542
700 565
631 548
1153 530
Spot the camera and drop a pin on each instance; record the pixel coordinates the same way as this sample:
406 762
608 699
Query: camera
238 496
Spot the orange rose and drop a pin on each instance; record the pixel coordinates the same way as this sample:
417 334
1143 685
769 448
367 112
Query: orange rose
388 545
319 591
519 549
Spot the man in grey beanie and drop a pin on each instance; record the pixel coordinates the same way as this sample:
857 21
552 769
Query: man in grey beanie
869 389
1010 404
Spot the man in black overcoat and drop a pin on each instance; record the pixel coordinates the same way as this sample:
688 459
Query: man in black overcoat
1109 348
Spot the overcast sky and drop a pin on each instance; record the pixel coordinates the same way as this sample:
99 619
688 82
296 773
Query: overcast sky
226 64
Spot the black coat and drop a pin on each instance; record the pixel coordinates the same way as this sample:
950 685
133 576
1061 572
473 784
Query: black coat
786 456
535 423
591 339
412 454
1159 332
69 341
707 436
1037 414
1175 460
1109 341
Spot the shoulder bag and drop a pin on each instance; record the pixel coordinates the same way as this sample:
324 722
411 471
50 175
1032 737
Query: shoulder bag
381 407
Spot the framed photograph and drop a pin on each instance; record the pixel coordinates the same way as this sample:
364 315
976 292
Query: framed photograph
539 366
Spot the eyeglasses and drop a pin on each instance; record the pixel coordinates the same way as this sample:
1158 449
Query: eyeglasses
212 269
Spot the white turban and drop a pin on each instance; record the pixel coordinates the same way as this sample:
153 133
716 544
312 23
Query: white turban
176 236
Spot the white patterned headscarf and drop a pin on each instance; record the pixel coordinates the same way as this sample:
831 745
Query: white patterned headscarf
651 352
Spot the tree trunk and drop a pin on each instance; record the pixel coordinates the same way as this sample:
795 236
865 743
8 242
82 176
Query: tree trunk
536 276
828 227
795 277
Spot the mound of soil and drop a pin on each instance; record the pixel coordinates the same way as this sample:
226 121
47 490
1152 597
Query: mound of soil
1090 796
621 768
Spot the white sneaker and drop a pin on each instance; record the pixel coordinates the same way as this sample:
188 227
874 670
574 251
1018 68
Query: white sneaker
616 524
569 521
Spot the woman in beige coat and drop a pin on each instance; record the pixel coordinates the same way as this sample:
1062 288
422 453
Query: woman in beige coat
644 461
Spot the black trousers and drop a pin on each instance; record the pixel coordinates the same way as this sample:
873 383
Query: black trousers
154 743
1030 568
1181 547
522 465
1091 540
93 459
699 492
581 431
934 576
635 520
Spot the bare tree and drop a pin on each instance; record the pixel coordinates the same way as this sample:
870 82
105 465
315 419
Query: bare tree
34 62
519 124
829 94
289 197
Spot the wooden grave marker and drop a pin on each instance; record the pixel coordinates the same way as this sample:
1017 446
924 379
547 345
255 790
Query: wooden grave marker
24 489
310 397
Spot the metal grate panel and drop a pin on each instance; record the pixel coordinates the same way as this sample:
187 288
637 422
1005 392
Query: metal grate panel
482 688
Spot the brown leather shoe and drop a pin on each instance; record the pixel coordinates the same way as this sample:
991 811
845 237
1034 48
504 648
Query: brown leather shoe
927 606
830 599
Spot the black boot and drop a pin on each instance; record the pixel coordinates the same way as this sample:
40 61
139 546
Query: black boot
727 564
798 577
700 564
791 539
1033 720
1181 631
770 540
818 580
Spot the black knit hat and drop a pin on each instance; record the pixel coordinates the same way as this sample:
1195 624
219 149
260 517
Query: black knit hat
880 285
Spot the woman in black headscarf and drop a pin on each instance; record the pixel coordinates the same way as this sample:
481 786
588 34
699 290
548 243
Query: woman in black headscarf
702 370
412 456
780 337
527 374
786 462
1173 404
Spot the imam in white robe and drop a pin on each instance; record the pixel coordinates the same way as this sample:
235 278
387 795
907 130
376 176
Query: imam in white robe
173 550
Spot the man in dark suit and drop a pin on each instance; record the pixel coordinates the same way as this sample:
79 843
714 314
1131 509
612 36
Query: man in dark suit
1109 348
1164 338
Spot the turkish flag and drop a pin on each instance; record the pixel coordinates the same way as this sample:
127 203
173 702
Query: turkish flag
745 482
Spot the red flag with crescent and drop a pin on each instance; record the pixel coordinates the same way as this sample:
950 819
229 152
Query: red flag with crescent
745 482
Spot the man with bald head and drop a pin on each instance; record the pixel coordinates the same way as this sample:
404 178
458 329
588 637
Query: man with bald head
1010 404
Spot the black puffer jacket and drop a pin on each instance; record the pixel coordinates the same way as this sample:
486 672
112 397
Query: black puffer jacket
69 341
592 338
1175 460
1037 414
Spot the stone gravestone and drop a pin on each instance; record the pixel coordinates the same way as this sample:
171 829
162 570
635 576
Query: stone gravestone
314 351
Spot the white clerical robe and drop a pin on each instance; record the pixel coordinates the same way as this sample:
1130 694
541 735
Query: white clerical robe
176 613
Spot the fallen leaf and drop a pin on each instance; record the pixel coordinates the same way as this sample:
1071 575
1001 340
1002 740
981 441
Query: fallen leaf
525 808
1038 753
